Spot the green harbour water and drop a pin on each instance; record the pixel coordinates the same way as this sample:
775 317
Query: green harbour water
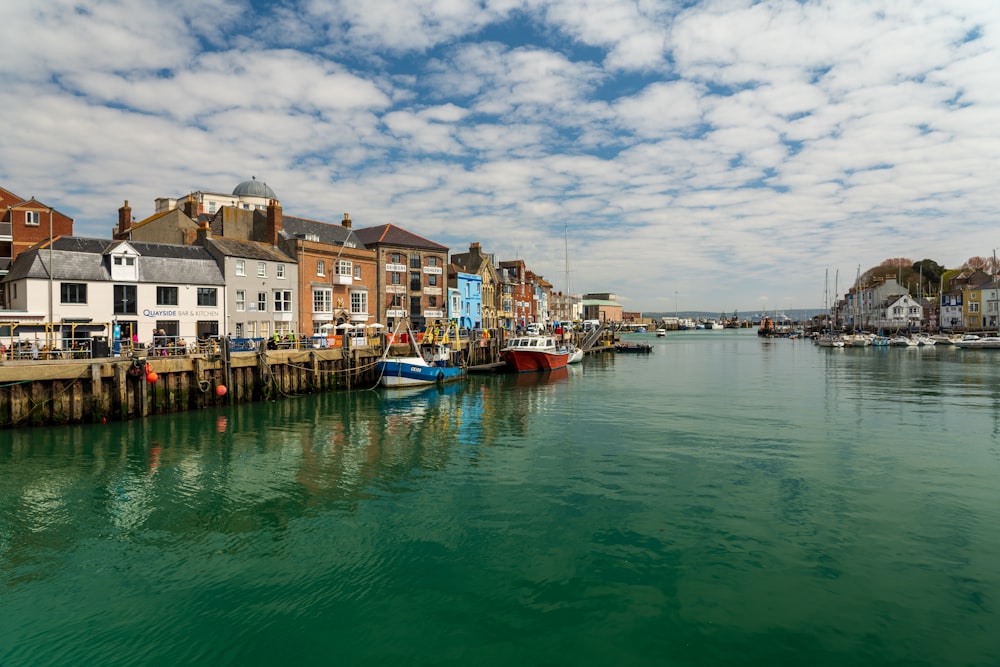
724 500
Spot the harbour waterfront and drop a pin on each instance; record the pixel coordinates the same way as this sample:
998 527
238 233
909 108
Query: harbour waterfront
723 500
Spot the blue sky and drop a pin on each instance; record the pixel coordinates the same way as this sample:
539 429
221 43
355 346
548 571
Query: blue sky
712 155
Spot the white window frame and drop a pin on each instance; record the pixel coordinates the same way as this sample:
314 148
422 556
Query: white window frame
241 267
32 218
359 302
282 301
262 269
320 267
279 271
322 296
241 301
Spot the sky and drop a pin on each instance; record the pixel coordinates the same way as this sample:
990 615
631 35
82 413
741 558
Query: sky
711 155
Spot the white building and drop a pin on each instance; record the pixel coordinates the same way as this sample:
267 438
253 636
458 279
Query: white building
135 287
249 195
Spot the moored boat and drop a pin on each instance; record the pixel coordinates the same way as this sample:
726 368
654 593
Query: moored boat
525 354
430 363
575 354
633 347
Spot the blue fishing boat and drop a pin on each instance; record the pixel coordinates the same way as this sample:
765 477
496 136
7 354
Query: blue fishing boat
430 363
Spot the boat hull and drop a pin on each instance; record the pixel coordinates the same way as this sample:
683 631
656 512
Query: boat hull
527 361
411 373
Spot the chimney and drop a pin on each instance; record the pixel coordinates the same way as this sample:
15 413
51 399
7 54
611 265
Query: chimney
346 222
475 248
274 223
191 208
124 219
204 233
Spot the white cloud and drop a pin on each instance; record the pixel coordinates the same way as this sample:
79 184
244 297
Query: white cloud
745 141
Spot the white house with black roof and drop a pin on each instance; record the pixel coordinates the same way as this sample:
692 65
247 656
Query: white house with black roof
136 287
261 287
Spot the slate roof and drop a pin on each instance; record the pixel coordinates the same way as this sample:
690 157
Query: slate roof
85 259
390 234
328 233
250 250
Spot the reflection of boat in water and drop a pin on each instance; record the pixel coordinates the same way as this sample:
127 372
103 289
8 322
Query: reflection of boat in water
542 378
415 400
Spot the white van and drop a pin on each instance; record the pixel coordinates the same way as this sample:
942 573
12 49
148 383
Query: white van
591 325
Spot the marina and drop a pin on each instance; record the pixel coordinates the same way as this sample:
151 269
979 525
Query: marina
840 510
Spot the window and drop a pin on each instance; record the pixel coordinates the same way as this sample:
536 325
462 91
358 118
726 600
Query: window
320 268
261 270
239 330
279 271
394 258
415 306
207 296
262 301
357 272
344 268
282 301
241 267
432 261
359 302
241 300
125 300
322 300
73 292
120 260
414 281
973 307
432 280
395 279
432 302
166 296
414 261
31 218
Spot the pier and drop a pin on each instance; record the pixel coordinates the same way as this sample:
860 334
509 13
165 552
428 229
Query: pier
67 391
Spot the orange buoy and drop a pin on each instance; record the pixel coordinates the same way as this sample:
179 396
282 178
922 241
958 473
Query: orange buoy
152 377
221 390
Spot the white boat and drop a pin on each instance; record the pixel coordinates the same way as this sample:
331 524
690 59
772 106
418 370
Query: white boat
660 333
829 340
903 341
575 355
857 340
979 342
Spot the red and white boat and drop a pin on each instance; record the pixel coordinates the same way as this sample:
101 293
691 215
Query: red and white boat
535 353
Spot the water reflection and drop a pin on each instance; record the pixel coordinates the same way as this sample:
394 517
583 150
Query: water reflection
235 470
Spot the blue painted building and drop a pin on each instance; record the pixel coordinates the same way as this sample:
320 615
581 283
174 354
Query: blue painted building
467 309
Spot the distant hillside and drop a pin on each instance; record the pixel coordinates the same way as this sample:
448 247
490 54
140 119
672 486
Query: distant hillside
795 314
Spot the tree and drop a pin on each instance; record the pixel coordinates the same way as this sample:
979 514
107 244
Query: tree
930 272
918 277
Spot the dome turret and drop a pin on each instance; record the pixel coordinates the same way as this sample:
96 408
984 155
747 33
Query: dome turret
254 188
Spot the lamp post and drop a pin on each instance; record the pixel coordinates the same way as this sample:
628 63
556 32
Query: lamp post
48 334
